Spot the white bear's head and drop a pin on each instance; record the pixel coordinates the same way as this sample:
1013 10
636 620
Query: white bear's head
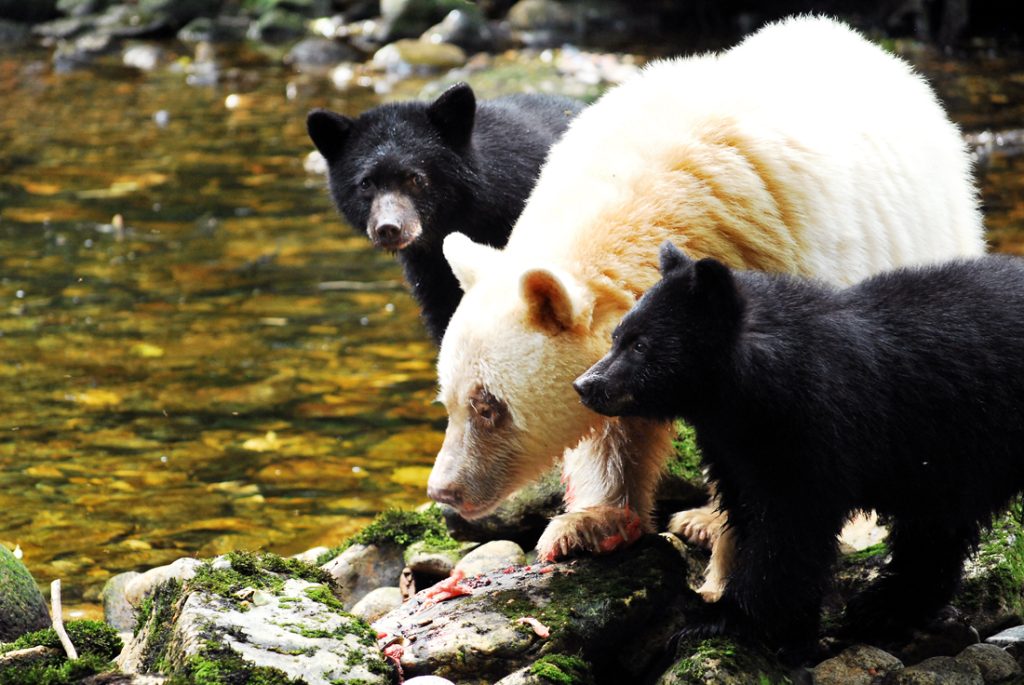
519 338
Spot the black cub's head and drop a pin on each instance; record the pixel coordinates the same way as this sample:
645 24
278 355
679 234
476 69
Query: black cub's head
665 350
394 170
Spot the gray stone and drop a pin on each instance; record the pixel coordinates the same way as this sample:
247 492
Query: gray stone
720 661
22 607
857 665
410 18
433 562
117 611
938 670
995 664
609 610
406 57
143 57
64 28
466 28
277 26
143 585
491 556
1008 637
291 632
362 568
319 54
218 30
541 15
377 603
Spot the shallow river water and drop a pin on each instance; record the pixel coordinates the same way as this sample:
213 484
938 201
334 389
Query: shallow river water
192 378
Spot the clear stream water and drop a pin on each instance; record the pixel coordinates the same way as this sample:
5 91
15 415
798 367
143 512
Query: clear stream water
182 382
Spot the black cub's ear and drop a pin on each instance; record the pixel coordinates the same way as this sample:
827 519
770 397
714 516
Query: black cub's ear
328 131
453 113
715 285
672 258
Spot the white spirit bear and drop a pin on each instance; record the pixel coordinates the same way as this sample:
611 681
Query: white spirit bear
805 149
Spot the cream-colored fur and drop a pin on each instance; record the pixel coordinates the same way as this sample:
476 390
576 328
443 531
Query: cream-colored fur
804 149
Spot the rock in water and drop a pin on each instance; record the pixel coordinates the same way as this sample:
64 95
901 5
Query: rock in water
22 607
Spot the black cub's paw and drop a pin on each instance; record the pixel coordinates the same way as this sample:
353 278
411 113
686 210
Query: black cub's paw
712 620
875 614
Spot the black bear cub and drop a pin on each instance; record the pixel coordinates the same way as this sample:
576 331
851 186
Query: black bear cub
903 394
410 173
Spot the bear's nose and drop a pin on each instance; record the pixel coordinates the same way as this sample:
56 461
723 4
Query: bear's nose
387 234
584 386
451 496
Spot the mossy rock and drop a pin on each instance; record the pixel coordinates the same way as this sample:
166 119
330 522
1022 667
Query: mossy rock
22 607
721 661
254 618
97 645
616 612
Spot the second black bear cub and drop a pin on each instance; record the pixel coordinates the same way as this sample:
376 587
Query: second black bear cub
903 394
410 173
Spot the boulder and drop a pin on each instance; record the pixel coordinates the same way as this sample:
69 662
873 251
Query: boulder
22 607
259 618
938 670
491 556
362 568
856 665
616 613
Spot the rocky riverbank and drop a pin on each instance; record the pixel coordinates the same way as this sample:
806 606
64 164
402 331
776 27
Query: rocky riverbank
413 597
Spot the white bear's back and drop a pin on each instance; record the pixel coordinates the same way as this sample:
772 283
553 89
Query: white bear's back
850 137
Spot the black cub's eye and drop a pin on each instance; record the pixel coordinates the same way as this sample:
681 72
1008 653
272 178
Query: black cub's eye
365 184
639 346
418 180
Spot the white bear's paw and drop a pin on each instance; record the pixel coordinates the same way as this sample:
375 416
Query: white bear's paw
595 530
711 590
702 526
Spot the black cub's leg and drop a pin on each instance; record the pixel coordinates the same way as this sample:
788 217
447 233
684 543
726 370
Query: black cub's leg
927 562
778 577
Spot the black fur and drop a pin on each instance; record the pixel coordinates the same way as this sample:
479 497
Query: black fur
463 166
903 394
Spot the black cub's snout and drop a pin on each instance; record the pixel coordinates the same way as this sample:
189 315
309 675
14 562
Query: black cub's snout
587 387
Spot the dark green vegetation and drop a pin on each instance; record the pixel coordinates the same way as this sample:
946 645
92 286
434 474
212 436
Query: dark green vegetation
257 570
722 660
562 669
402 528
96 643
685 462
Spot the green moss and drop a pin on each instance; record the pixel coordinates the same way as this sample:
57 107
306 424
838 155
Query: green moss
686 461
402 528
994 580
322 594
562 669
220 665
877 550
257 570
89 637
97 645
159 621
705 659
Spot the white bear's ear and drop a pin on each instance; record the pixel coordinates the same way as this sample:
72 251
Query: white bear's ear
467 259
555 302
672 257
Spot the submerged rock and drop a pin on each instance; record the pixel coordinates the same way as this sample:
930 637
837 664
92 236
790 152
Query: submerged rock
463 27
616 612
410 18
319 53
22 607
405 57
